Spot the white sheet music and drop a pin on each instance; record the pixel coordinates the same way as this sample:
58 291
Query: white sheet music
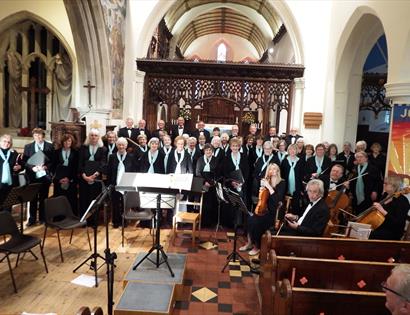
135 180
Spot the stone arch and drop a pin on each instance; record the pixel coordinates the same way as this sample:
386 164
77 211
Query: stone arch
358 37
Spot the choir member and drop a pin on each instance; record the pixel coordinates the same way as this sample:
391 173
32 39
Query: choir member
259 223
361 145
38 173
201 144
225 143
179 161
301 147
292 136
202 131
292 170
193 152
347 156
365 187
309 151
65 169
378 159
282 150
394 211
111 139
161 127
142 129
271 134
235 160
219 154
332 152
119 163
207 167
216 132
142 146
253 130
179 129
319 164
92 161
257 152
9 166
234 131
129 131
275 145
152 161
166 150
262 164
247 148
314 219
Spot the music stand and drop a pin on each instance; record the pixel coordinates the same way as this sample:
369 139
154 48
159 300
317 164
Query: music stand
221 199
235 200
21 195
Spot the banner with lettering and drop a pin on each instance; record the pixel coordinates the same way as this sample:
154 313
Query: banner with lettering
399 143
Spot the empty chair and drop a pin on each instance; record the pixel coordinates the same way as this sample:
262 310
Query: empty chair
17 243
60 216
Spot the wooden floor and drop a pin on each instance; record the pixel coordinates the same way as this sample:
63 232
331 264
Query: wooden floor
39 292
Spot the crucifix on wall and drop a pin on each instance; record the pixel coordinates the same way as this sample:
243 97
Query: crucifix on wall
32 90
89 87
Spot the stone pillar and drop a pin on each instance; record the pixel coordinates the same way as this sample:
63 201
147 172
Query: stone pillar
297 104
24 98
37 38
135 109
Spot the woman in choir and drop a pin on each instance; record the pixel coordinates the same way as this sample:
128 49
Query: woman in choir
152 161
309 151
207 168
378 159
193 151
275 145
318 165
179 161
9 166
201 144
218 152
225 143
216 132
65 170
394 211
248 148
258 223
300 142
119 163
282 150
235 160
109 143
166 150
258 149
142 146
332 152
91 163
292 169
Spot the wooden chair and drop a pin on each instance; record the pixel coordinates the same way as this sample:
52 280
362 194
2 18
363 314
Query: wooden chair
17 243
60 216
193 218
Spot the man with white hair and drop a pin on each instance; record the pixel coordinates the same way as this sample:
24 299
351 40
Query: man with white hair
128 131
397 289
314 219
142 129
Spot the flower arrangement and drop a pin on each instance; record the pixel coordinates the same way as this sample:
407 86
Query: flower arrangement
248 118
186 113
24 132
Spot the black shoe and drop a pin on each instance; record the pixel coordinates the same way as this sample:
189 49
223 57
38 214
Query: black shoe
30 223
115 226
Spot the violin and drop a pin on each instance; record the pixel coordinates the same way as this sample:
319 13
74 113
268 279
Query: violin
372 216
262 206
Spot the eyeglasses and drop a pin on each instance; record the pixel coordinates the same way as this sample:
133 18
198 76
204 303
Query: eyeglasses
385 289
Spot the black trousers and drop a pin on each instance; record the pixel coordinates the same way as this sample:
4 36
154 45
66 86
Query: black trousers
37 203
257 226
117 206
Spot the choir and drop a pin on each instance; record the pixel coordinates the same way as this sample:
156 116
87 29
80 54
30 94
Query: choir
285 166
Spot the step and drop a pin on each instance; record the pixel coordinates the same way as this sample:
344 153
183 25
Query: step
146 299
147 272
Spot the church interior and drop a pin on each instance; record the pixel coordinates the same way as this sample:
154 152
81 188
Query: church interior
271 129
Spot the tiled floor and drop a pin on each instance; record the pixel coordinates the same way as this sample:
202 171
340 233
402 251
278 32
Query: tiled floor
208 290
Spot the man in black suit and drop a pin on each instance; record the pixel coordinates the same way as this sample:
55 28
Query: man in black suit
292 136
161 127
335 178
38 173
272 133
179 129
202 131
315 217
142 129
129 131
234 131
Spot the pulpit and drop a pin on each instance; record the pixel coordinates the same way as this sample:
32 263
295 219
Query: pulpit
59 129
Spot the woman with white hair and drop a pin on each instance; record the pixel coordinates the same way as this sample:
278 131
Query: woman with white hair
92 160
119 163
152 161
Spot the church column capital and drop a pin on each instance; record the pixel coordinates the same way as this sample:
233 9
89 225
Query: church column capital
139 76
398 92
299 83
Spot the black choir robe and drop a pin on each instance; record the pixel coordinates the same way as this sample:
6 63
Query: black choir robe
348 161
312 168
258 174
196 133
299 187
175 133
194 157
5 188
186 164
144 165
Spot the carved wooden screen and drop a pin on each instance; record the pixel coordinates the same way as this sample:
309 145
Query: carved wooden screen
219 93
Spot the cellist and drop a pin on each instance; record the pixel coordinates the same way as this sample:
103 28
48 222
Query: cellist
272 192
334 179
394 211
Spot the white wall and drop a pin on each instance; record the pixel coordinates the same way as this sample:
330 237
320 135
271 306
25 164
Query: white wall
206 46
283 51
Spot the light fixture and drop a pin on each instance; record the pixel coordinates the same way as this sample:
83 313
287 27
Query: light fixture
271 50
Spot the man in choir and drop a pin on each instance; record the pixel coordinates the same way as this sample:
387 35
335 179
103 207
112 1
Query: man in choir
8 167
347 156
161 127
202 131
292 136
319 164
193 151
38 173
397 289
179 129
253 130
394 210
111 139
365 187
142 129
264 220
65 169
91 163
315 217
128 131
234 131
272 133
119 163
152 161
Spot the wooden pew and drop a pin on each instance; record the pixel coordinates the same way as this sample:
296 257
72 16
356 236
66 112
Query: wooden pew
297 301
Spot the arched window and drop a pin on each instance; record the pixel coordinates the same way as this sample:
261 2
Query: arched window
221 52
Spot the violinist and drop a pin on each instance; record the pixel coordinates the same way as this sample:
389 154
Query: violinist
394 211
272 190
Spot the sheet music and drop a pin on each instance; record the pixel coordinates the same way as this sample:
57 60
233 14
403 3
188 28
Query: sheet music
131 181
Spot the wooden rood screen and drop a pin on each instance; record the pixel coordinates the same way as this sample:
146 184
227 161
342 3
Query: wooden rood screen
218 93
